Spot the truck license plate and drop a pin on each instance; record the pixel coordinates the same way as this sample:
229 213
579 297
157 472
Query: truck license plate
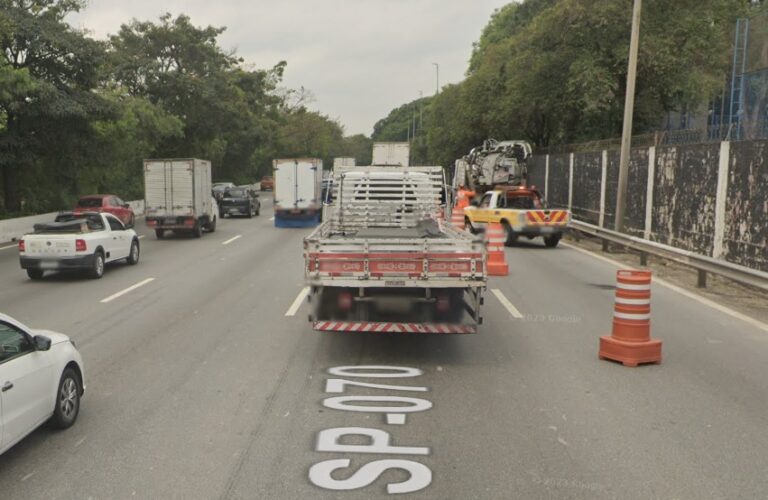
394 283
49 264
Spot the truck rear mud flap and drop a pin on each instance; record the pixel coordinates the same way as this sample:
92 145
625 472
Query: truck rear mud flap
374 327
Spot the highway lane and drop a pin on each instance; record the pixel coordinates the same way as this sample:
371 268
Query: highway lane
199 386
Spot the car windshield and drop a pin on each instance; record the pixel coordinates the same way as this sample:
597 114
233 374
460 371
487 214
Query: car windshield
235 193
90 202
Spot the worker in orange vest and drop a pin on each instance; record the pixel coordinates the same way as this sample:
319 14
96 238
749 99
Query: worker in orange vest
463 197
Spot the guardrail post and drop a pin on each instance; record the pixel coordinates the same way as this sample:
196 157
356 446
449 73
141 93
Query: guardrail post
546 179
702 281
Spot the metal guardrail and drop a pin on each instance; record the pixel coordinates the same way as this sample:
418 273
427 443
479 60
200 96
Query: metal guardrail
701 263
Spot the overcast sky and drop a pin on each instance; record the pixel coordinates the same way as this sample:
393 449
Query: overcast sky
359 58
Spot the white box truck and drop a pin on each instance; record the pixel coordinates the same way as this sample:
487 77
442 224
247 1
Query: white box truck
178 196
298 192
344 161
391 154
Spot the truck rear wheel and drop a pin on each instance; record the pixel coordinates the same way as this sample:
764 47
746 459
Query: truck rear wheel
212 225
35 274
97 268
197 231
160 233
552 241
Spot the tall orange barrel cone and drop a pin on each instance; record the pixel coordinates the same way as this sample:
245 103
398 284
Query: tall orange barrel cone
457 217
494 240
631 343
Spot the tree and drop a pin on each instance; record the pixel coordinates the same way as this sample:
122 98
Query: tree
47 74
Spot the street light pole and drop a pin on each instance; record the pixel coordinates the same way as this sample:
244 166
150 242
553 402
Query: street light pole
629 105
421 110
437 75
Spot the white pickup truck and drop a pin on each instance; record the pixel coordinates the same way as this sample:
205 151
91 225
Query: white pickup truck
85 242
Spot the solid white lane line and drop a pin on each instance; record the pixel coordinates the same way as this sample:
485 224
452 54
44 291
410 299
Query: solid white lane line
507 304
297 303
141 237
127 290
272 219
682 291
231 240
9 247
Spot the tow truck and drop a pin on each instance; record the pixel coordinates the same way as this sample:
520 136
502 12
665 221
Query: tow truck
521 211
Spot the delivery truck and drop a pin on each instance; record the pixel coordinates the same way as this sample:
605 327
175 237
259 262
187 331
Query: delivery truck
391 154
178 196
298 192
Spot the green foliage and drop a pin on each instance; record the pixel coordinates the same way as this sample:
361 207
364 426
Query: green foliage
77 116
554 72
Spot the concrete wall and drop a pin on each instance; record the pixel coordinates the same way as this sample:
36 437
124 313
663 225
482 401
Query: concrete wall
685 191
710 199
13 229
746 220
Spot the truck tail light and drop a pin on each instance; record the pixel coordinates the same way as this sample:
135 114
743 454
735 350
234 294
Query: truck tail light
189 222
443 303
80 246
345 301
151 222
22 246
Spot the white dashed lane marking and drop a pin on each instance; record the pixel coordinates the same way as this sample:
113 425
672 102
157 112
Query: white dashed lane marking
232 240
297 303
507 304
127 290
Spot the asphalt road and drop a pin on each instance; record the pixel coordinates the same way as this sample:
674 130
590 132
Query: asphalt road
200 386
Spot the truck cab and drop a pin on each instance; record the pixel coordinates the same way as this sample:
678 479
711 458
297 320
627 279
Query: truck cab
521 211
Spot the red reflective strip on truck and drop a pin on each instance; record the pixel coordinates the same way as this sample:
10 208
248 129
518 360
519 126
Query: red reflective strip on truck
373 327
394 255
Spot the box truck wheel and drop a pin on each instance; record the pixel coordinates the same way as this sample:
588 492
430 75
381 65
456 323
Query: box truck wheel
160 233
212 225
197 231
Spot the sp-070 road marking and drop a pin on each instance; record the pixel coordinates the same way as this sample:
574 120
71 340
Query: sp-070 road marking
297 303
378 441
507 304
127 290
698 298
232 240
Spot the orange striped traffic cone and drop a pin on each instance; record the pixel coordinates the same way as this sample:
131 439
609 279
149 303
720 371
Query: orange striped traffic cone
494 240
457 217
631 343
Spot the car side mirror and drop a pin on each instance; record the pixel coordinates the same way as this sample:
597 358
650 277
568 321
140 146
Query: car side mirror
42 343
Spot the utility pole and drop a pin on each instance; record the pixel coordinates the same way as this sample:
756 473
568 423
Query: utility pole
421 110
437 78
629 105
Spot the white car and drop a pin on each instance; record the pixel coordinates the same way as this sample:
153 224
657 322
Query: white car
41 379
85 241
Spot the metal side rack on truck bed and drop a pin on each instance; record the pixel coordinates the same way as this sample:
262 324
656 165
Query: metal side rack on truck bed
383 260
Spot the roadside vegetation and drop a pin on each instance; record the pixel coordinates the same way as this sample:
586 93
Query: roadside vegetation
554 72
78 115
